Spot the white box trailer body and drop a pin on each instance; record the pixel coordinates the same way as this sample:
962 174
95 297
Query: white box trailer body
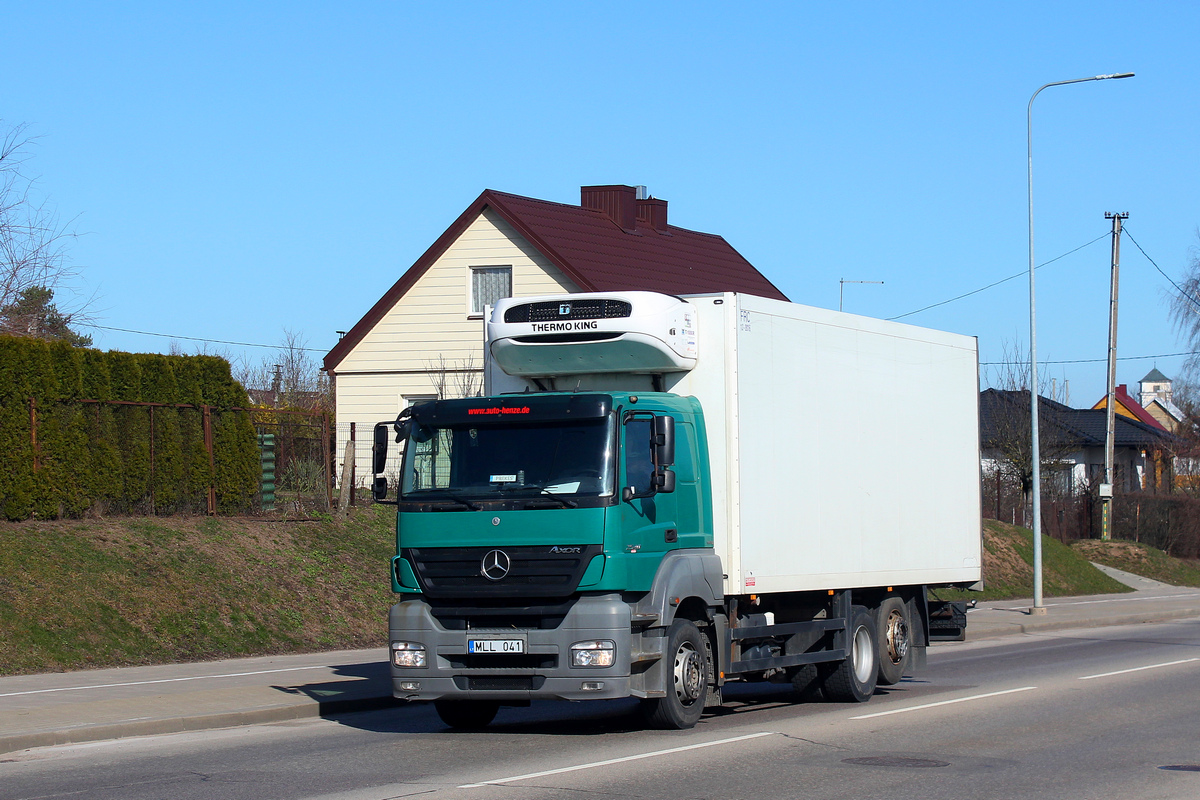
843 450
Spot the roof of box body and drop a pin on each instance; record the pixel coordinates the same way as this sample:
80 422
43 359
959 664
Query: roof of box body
618 244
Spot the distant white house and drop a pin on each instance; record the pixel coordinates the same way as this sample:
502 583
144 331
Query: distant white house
1156 394
424 337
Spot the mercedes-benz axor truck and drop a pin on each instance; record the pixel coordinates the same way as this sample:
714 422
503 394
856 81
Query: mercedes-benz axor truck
659 496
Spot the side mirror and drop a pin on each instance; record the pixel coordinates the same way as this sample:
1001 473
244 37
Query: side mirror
663 441
379 449
664 480
379 489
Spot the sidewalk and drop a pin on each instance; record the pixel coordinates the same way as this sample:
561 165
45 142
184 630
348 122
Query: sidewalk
65 708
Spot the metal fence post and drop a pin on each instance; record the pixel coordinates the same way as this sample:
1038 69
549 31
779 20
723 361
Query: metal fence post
212 466
327 456
33 434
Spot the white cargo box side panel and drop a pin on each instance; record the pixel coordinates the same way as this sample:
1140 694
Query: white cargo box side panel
854 460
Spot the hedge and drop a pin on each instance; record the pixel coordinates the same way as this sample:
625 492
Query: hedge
95 455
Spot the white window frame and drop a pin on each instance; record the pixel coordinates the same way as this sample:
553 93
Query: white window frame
471 301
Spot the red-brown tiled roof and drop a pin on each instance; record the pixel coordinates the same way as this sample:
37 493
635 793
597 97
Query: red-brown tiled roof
1121 395
596 253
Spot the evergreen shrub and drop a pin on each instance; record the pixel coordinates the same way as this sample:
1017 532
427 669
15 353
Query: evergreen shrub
102 455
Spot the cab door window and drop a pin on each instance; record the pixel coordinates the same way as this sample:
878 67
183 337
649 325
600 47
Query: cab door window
639 465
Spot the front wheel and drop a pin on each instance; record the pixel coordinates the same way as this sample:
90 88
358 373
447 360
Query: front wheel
853 679
466 714
686 681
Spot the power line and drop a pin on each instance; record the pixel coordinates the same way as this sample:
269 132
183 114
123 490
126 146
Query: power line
1086 360
1003 280
199 339
1178 288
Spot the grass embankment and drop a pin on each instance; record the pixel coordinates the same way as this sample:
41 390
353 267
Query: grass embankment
1008 568
1066 570
1141 560
98 593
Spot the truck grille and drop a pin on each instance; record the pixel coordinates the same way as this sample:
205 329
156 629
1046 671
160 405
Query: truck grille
591 308
456 572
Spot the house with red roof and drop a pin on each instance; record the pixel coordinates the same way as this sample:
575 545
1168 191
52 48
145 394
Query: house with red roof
1126 406
424 337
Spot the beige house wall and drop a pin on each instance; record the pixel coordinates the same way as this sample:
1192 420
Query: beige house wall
429 337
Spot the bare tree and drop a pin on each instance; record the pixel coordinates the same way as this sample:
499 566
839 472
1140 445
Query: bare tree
1005 426
456 379
292 377
1185 309
33 251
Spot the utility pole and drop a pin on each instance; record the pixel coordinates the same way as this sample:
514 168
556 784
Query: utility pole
1110 416
842 289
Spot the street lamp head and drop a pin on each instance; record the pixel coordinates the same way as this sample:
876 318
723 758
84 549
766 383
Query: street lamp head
1114 76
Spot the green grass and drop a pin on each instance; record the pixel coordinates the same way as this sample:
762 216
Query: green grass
1140 559
100 593
1008 568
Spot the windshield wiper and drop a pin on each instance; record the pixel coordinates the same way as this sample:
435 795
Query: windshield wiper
552 496
461 501
540 501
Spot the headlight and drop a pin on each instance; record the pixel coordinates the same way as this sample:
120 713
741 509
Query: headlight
599 653
408 654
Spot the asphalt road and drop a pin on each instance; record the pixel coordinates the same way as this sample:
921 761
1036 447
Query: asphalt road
1099 713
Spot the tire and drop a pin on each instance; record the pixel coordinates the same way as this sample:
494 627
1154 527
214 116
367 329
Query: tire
853 679
466 714
687 680
806 681
895 640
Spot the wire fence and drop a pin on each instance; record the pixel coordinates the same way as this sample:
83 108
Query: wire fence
80 457
296 452
1167 520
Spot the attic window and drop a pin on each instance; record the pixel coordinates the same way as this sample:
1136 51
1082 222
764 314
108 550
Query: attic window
489 284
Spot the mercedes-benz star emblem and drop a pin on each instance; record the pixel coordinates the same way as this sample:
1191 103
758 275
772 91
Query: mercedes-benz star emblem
495 565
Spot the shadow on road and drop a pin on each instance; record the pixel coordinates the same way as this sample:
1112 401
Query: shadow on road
366 704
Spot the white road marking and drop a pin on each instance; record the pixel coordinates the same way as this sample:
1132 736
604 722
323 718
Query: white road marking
595 764
943 703
161 680
1138 669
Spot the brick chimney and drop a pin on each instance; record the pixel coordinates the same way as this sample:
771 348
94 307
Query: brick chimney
618 203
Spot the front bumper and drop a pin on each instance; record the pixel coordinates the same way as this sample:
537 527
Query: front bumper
543 671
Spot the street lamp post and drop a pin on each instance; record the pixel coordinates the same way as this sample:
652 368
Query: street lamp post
1035 444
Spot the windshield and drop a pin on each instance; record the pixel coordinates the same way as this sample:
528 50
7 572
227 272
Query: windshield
567 457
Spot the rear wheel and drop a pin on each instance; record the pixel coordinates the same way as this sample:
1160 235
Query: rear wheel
853 679
687 680
895 640
466 714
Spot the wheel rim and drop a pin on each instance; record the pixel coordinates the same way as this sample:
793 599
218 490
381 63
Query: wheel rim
864 664
689 674
896 637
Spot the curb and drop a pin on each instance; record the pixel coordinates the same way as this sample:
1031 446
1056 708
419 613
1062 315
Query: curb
1046 625
198 722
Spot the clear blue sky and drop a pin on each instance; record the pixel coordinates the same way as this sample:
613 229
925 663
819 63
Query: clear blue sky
243 168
